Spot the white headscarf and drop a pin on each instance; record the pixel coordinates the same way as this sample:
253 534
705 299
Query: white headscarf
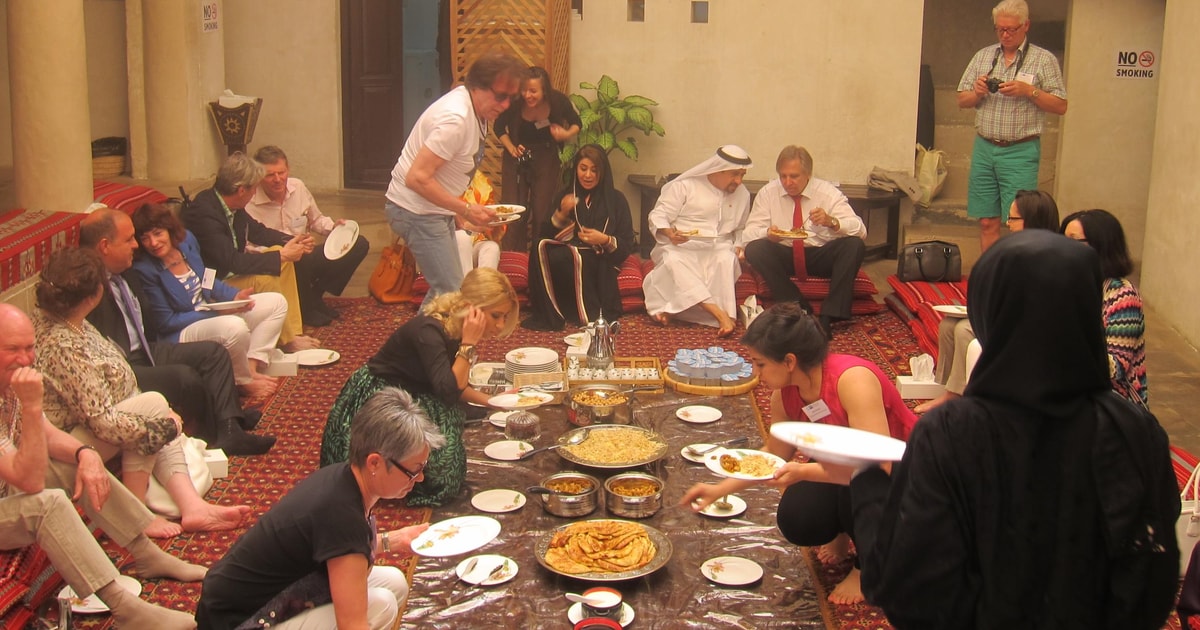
727 158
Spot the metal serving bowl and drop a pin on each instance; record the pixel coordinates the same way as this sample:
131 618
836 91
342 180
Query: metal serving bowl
632 506
572 505
583 414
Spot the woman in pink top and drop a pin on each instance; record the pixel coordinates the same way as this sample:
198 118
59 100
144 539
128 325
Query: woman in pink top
790 354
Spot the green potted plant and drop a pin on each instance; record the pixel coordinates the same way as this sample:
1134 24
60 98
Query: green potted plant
607 117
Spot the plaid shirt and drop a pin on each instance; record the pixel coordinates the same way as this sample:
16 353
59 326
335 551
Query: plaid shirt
1000 117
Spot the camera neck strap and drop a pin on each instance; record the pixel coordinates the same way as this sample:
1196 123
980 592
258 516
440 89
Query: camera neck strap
1020 57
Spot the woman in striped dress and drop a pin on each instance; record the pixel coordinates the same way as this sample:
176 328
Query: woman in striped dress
1124 320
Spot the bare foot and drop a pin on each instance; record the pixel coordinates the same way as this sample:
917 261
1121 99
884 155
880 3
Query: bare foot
662 319
258 386
303 342
215 518
835 550
936 402
162 528
725 325
849 591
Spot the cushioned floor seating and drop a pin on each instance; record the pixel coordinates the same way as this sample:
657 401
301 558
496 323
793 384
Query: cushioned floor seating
515 265
28 237
914 302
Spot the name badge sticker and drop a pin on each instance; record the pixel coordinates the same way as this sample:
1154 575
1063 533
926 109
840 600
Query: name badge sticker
817 410
210 277
542 124
1026 77
299 225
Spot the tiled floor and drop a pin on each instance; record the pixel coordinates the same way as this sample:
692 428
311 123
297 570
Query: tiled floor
1174 365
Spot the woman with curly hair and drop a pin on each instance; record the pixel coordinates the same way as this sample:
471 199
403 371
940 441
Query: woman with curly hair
430 356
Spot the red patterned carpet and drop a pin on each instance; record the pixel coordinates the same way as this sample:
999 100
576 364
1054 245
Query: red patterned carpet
296 414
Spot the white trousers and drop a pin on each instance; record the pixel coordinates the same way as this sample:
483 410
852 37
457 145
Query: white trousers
485 253
387 590
247 335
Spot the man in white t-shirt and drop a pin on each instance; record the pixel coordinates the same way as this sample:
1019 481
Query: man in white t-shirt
833 244
438 162
284 203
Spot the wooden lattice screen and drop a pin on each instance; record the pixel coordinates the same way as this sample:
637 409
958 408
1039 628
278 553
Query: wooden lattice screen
535 31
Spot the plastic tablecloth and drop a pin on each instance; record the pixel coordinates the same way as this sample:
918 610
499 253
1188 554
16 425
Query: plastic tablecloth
677 595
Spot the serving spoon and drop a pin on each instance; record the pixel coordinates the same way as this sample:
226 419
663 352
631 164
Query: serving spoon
572 441
584 599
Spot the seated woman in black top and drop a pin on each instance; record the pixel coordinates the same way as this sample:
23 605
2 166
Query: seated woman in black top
309 562
430 357
573 269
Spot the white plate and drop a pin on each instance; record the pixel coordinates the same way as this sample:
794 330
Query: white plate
482 372
839 445
520 400
484 565
92 604
576 339
341 239
698 459
316 356
575 613
515 208
231 305
500 418
502 219
498 500
531 357
952 310
507 450
731 570
713 461
698 414
738 506
456 535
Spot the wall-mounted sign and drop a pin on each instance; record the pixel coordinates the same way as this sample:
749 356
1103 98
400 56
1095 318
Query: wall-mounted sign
1136 64
208 17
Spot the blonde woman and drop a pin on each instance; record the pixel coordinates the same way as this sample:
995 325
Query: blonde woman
430 357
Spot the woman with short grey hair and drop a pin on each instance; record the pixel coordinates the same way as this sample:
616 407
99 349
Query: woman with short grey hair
309 562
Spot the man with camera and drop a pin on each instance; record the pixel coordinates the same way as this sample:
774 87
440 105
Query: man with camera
1011 86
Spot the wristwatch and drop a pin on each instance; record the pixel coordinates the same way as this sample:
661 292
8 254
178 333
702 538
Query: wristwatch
468 352
1035 94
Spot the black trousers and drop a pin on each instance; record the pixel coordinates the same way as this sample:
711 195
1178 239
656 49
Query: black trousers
317 275
837 260
196 378
812 514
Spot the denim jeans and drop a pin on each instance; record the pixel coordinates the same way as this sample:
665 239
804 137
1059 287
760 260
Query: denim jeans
431 239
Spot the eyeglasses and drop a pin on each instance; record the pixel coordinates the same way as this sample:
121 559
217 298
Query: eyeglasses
505 97
408 473
1008 30
1012 219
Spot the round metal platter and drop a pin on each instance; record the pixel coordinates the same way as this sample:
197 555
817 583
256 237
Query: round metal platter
571 457
662 554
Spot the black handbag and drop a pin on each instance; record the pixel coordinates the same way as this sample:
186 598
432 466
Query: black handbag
930 261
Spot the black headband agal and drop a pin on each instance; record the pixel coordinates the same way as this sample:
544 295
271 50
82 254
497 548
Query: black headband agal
740 161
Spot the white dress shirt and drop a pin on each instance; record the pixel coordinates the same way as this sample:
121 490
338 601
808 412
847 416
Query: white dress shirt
773 206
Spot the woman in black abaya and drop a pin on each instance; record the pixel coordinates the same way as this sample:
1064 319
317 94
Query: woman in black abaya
1040 499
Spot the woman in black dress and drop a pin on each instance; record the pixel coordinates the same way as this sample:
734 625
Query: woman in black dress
573 269
532 132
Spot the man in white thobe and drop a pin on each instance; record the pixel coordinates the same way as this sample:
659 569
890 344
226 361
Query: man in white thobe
696 223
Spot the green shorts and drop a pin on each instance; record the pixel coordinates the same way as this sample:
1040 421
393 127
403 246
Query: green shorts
997 173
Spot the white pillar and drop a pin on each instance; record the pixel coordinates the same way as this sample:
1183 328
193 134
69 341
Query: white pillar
51 126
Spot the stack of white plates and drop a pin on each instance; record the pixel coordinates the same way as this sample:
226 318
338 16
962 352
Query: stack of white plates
530 361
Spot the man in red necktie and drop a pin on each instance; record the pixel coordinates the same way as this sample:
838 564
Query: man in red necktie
803 226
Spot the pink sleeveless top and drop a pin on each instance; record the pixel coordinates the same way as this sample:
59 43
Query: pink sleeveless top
900 418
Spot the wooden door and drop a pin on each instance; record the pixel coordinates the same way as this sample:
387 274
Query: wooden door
372 90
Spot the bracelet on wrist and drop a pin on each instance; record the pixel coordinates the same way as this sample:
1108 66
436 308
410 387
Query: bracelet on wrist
86 447
385 542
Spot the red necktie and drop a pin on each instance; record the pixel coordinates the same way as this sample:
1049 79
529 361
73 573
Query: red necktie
798 244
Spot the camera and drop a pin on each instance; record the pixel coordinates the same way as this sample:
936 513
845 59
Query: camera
525 158
993 84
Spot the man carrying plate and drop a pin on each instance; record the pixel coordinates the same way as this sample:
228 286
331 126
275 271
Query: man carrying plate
803 226
284 203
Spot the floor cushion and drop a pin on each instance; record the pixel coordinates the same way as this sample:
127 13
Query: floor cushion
913 302
29 237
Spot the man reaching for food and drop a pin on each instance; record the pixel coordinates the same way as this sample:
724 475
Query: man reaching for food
803 226
696 221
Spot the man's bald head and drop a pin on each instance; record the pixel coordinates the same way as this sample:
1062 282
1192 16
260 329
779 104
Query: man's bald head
16 342
109 232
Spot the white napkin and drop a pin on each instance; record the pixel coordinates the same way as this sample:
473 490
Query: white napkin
922 368
748 310
230 100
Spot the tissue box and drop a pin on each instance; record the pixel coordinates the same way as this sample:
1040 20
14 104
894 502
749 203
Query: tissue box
218 463
918 390
281 364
